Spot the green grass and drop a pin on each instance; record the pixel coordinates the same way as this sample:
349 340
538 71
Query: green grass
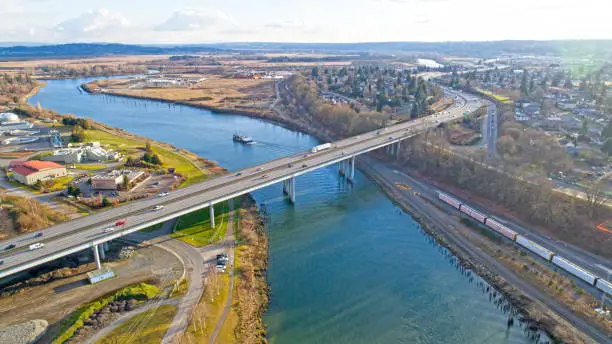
181 164
152 325
88 167
194 228
140 291
61 183
110 139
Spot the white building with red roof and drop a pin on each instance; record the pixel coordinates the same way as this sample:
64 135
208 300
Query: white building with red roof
30 172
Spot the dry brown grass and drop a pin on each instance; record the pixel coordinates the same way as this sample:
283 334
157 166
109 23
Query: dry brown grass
83 61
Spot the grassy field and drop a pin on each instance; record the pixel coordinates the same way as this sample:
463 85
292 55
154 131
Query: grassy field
181 164
213 310
110 139
61 183
89 167
147 327
194 228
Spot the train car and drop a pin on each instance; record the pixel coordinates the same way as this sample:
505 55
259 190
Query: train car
449 200
533 247
473 213
501 229
604 286
574 270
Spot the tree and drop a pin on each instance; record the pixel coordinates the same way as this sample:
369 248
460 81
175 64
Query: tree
607 130
595 195
524 82
148 146
125 183
129 161
105 202
585 127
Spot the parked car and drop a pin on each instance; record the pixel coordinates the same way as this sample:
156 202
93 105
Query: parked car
10 246
163 194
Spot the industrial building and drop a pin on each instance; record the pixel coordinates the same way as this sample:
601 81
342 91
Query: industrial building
10 121
91 152
100 275
30 172
113 179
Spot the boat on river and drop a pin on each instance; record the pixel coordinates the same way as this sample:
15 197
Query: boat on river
247 140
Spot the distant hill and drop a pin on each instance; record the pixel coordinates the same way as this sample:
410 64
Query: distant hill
94 49
575 48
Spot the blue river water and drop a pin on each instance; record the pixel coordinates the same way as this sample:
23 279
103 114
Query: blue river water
346 265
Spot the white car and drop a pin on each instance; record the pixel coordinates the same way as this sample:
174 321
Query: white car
163 194
109 229
36 246
158 207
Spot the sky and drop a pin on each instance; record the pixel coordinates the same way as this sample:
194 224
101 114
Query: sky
206 21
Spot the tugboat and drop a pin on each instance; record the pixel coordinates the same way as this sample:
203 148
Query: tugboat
247 140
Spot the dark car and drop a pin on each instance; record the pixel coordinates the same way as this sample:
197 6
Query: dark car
10 246
290 165
1 262
238 174
304 166
38 235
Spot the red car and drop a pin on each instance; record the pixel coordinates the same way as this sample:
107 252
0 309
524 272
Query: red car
120 223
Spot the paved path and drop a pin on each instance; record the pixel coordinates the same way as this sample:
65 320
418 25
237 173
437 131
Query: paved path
227 242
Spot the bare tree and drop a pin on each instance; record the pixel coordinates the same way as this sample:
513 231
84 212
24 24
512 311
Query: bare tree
595 196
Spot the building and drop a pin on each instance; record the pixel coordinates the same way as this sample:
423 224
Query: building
112 180
100 275
91 152
30 172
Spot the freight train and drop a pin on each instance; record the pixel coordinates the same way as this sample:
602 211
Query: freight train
520 240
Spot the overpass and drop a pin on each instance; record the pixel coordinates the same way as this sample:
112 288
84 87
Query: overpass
88 232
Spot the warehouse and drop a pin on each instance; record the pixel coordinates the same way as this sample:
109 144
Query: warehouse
112 180
30 172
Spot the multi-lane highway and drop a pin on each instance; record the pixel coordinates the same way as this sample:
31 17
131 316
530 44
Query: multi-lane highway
79 234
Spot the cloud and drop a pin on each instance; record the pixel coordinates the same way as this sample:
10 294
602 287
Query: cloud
285 25
193 20
92 21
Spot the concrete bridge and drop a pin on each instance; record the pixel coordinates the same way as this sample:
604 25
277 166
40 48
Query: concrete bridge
89 232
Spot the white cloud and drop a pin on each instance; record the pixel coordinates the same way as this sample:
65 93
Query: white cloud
92 21
285 25
193 20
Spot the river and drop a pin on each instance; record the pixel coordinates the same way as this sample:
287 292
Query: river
346 265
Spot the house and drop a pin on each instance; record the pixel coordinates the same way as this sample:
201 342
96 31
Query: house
521 117
30 172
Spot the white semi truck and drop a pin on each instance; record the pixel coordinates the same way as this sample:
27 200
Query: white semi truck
320 147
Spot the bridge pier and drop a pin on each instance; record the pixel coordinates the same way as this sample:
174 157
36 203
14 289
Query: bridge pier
102 252
351 169
212 215
97 256
397 150
292 190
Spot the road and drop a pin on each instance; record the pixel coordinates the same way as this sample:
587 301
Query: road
386 176
79 234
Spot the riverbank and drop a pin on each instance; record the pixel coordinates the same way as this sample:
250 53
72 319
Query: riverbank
300 125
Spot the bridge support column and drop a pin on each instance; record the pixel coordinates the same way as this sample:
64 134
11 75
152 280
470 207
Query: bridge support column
97 256
341 168
351 169
102 252
286 187
212 215
292 190
107 245
397 150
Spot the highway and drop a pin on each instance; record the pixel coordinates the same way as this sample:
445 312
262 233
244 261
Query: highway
76 235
